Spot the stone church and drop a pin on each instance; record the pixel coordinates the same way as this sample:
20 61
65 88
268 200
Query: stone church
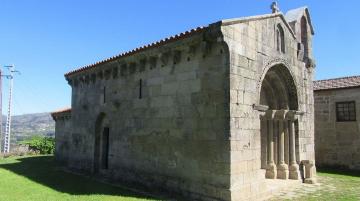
221 112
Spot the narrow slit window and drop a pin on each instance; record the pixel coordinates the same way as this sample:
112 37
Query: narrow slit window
104 95
304 38
280 39
140 88
105 148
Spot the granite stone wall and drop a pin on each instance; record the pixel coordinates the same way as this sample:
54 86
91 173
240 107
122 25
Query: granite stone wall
253 52
167 114
337 144
62 141
181 116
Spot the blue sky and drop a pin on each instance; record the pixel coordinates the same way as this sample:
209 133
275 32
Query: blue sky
46 39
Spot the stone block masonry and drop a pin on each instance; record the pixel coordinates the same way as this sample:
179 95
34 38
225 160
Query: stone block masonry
186 114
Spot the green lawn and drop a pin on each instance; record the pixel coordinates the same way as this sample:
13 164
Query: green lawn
37 179
332 185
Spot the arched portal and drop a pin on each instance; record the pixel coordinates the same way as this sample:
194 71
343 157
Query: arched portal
279 124
101 144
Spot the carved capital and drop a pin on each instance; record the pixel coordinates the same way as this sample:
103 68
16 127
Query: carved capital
280 114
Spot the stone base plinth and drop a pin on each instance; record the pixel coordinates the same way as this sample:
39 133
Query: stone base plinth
282 171
271 171
294 172
310 180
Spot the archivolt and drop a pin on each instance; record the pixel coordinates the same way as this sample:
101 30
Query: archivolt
278 88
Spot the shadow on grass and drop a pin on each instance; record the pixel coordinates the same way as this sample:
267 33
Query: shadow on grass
42 169
338 170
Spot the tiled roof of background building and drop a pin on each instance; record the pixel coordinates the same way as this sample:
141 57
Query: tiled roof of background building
337 83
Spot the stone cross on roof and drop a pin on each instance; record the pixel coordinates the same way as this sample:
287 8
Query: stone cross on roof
274 7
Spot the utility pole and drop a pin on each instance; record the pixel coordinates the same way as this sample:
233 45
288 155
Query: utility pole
8 119
1 137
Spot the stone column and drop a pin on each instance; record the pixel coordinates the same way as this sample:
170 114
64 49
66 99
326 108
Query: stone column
271 167
276 140
294 172
287 143
282 167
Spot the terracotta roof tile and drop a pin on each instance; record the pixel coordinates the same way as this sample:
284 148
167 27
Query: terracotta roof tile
337 83
61 111
142 48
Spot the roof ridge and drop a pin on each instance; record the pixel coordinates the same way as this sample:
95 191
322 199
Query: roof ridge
338 78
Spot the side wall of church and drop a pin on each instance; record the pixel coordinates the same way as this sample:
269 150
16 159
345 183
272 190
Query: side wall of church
336 143
168 130
62 145
252 47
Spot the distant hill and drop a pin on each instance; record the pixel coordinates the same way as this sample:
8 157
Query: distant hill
27 125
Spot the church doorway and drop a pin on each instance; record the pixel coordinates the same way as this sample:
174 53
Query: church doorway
101 143
279 125
105 148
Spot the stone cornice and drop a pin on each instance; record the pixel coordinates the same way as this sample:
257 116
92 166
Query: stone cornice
199 47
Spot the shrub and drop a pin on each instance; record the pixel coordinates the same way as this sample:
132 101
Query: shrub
43 145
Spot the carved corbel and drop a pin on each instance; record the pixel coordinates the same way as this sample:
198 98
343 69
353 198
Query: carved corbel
310 64
191 51
153 62
70 81
107 74
82 79
142 65
123 70
93 78
205 47
100 74
87 79
76 82
164 58
115 72
177 56
132 68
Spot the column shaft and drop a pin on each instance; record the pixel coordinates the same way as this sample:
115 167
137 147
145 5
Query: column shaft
282 168
271 167
294 172
270 141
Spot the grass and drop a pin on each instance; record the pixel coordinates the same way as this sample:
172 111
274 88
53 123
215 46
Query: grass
37 179
332 185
